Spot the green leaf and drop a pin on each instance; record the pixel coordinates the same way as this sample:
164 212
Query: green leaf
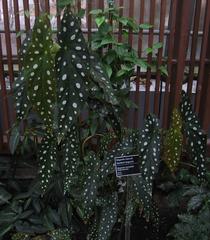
14 139
81 13
27 13
123 20
60 234
38 71
96 12
108 217
108 40
108 70
71 149
20 86
5 229
64 3
173 142
145 26
72 66
100 20
90 184
4 196
196 140
157 45
163 70
47 156
149 150
20 33
99 76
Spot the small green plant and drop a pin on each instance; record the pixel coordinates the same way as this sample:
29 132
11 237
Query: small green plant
119 58
193 222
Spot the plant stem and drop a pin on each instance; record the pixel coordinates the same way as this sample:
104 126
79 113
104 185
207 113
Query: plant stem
127 225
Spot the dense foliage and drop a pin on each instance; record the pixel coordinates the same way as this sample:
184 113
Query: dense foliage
75 100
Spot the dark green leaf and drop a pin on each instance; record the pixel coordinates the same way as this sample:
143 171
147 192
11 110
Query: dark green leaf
90 184
71 148
14 139
47 156
196 140
100 20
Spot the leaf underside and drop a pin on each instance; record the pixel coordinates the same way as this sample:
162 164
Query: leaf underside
173 142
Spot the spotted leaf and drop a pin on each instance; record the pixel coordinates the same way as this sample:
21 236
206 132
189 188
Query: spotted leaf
99 75
47 157
149 150
20 88
107 218
196 140
143 194
72 67
60 234
108 113
90 184
39 73
173 142
76 70
131 206
71 149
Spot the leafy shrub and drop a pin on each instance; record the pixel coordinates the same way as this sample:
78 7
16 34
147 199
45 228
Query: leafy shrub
76 101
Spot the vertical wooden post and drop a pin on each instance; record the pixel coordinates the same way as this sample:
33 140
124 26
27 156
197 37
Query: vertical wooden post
182 33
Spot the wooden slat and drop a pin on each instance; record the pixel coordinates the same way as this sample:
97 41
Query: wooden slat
120 25
101 4
58 13
47 6
8 41
36 7
4 106
203 56
159 58
27 19
176 86
131 15
194 45
137 93
149 59
17 23
78 5
89 18
170 59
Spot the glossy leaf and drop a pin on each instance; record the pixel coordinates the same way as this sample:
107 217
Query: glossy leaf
14 139
47 156
173 142
90 184
76 69
20 87
72 67
108 216
149 150
60 234
71 149
38 70
196 140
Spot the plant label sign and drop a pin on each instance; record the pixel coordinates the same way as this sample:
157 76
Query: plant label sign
127 165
